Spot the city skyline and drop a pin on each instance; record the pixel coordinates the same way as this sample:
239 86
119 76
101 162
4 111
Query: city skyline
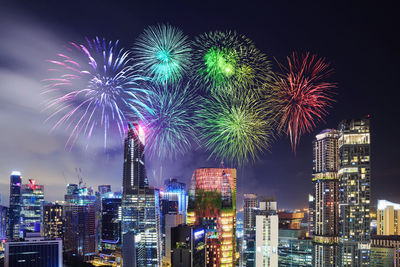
29 147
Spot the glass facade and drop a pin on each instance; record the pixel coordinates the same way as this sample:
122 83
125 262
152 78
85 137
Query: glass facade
294 249
15 206
32 196
53 220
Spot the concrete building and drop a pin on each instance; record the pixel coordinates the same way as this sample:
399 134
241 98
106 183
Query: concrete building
388 218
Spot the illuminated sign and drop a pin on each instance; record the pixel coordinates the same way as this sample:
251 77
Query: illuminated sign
198 234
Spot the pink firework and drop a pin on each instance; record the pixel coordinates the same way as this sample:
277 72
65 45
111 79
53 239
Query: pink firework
302 94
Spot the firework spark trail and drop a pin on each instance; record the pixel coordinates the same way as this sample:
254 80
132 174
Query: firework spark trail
226 61
170 128
163 52
235 129
94 86
301 94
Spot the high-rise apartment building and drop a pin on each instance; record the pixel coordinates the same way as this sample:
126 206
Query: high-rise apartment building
13 230
212 205
140 203
32 196
388 218
52 220
354 192
325 198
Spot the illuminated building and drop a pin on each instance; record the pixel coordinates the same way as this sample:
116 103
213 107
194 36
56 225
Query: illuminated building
140 203
295 249
290 219
111 217
188 246
388 218
15 206
3 222
34 251
385 250
105 188
266 233
310 215
80 195
212 205
173 213
354 192
249 224
52 220
326 197
32 196
129 258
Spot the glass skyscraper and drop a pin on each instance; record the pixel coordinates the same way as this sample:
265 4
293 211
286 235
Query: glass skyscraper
15 206
32 196
325 198
354 192
140 203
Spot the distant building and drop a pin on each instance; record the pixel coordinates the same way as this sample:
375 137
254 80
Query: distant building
290 219
388 218
212 206
32 196
354 192
3 222
266 233
295 249
34 251
188 246
385 250
105 188
15 206
325 198
52 220
140 203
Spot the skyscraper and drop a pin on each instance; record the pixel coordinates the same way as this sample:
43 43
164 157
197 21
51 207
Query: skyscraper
15 206
326 194
111 217
32 196
104 188
140 203
388 215
354 192
52 220
212 204
3 222
249 224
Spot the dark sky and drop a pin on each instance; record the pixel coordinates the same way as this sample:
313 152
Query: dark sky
358 38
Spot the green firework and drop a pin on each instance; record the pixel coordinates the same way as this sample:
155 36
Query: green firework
227 60
163 53
235 129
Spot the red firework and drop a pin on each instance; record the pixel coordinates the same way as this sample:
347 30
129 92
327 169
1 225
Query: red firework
302 94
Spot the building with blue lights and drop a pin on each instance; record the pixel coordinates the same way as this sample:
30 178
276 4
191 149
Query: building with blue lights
15 206
32 196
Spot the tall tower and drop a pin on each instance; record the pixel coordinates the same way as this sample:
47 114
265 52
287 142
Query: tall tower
249 223
325 187
354 192
140 203
15 205
32 196
212 204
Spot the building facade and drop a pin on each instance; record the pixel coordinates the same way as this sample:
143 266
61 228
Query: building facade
388 218
385 250
13 230
295 249
325 198
32 196
3 222
111 219
249 223
52 220
354 192
212 205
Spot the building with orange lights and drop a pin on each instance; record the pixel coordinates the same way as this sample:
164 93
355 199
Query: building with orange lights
212 204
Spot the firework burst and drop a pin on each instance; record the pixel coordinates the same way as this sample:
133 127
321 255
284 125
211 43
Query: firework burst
93 86
301 94
170 125
226 61
163 52
235 129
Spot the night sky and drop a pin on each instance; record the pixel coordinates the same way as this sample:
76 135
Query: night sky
359 39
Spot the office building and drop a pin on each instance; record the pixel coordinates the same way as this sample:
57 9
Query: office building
176 191
3 222
249 223
266 234
13 230
52 220
354 192
32 196
212 205
111 217
140 203
385 250
388 218
325 198
129 257
34 251
295 249
188 246
290 219
105 188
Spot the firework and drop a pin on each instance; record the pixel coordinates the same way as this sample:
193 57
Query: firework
227 60
163 52
302 96
93 86
235 129
170 125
